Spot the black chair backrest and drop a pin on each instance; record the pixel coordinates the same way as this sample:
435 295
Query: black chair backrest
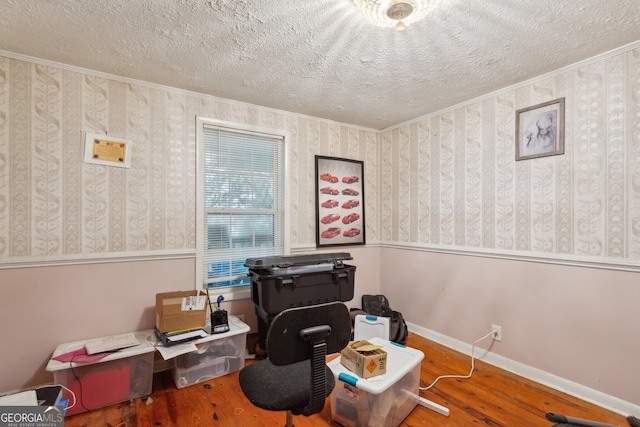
329 322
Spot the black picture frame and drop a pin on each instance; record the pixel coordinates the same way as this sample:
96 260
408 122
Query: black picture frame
340 219
540 130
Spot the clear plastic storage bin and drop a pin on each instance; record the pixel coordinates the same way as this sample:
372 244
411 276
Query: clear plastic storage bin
123 375
217 355
380 401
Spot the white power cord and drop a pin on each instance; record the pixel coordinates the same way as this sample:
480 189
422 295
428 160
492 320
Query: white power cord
492 333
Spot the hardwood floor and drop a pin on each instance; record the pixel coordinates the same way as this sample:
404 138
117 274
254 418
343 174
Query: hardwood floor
491 397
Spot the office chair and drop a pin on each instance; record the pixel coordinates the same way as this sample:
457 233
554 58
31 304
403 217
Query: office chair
295 377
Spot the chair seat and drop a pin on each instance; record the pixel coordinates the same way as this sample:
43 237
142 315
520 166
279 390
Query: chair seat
280 388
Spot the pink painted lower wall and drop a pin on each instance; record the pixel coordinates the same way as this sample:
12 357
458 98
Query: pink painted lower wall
574 322
578 323
42 307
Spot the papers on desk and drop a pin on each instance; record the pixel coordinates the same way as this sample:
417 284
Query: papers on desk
196 333
112 343
169 339
176 350
180 342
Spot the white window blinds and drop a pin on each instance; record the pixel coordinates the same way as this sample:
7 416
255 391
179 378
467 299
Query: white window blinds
243 202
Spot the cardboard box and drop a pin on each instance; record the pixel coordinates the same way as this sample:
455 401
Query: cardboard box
180 310
364 359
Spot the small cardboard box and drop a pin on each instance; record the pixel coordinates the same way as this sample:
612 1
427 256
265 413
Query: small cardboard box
180 310
364 359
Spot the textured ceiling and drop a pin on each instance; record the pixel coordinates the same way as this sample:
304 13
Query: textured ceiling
320 57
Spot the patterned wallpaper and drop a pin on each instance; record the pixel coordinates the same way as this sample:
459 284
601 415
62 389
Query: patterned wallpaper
451 179
448 180
52 203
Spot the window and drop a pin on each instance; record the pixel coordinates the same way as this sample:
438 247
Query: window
242 192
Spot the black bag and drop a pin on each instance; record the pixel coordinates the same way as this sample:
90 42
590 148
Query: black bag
378 305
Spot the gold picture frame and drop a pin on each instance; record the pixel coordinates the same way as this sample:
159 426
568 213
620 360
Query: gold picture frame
540 130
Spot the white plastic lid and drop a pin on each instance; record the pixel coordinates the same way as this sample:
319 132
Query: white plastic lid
147 345
400 360
368 326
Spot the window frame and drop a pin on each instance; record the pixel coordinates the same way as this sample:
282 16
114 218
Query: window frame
239 291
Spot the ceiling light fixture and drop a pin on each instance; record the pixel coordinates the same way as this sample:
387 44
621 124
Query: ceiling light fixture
395 13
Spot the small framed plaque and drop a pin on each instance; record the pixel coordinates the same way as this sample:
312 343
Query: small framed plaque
107 150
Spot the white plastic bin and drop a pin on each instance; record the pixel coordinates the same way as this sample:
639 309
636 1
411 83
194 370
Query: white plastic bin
123 375
217 355
380 401
368 326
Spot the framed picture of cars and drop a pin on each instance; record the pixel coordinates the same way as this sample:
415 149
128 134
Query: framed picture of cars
339 202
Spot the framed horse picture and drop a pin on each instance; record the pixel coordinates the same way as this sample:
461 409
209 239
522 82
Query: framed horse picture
540 130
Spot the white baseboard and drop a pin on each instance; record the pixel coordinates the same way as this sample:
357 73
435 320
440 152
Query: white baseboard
587 394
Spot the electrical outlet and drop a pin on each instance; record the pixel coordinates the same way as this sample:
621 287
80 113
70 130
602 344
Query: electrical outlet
497 332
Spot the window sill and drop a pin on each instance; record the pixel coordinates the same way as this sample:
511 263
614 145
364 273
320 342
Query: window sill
231 294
